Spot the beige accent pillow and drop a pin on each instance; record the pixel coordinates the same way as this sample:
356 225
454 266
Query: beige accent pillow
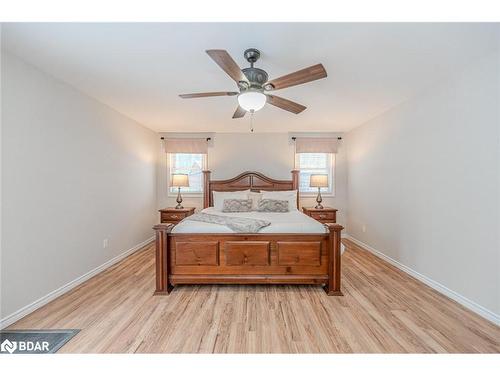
256 198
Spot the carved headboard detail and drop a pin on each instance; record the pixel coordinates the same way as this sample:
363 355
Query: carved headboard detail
247 180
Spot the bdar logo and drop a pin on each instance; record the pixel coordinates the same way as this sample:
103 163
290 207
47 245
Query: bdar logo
8 346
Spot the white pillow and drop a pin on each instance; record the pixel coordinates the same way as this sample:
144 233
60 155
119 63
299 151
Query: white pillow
219 196
287 195
256 198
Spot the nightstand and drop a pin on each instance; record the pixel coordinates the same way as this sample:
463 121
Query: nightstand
173 215
325 215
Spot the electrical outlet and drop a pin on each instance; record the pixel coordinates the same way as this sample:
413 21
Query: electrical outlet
105 243
363 228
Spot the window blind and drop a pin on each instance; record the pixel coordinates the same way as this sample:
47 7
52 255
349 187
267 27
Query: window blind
186 146
316 145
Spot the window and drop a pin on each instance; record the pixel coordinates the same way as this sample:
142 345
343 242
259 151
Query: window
315 163
191 164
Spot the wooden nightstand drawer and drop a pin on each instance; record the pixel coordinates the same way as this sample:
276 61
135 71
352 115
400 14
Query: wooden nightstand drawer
172 215
323 215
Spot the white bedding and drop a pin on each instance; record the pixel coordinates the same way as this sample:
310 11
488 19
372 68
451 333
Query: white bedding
281 222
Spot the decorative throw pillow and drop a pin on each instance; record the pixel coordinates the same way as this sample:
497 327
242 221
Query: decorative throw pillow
288 195
237 205
220 196
273 205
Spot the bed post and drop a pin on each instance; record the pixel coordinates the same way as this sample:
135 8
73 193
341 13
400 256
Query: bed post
295 183
163 285
206 189
332 288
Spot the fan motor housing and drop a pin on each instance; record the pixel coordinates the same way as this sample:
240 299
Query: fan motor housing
256 76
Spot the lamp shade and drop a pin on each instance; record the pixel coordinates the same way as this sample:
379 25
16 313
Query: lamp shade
318 180
252 100
180 180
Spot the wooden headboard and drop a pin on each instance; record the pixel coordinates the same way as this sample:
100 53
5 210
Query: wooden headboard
247 180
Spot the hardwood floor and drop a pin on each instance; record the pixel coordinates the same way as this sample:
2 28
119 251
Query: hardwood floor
383 310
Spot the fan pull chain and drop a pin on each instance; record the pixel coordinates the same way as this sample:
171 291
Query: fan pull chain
251 120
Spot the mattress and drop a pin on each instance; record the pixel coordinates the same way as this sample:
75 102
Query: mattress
281 222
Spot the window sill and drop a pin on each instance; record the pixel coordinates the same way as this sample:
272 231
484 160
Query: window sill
186 195
314 195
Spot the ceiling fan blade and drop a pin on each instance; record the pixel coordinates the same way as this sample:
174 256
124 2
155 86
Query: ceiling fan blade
206 94
239 113
299 77
226 62
285 104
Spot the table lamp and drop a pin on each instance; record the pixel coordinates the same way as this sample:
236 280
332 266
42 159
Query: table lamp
180 180
319 181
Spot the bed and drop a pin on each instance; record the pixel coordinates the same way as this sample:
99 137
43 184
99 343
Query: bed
294 249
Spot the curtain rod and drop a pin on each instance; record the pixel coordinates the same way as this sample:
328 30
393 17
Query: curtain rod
295 138
208 139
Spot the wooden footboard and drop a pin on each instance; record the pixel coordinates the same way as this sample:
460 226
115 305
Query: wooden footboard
247 259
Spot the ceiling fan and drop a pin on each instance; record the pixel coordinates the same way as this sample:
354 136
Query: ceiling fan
253 83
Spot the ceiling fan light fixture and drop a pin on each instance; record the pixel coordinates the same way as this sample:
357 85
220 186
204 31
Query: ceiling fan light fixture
254 82
252 100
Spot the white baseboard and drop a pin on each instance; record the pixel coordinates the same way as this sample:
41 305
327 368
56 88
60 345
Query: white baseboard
22 312
471 305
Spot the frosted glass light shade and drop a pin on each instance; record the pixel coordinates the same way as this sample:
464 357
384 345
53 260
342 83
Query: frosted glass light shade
180 180
252 100
318 180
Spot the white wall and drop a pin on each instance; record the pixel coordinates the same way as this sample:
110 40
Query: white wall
269 153
423 179
74 173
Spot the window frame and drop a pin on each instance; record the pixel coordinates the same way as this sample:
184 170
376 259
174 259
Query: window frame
171 193
331 177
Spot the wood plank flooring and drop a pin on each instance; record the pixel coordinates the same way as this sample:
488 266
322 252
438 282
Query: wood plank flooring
383 310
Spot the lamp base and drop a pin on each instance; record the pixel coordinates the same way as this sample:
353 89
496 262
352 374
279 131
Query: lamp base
319 199
179 200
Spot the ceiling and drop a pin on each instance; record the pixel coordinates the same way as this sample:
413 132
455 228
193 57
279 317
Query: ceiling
140 68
